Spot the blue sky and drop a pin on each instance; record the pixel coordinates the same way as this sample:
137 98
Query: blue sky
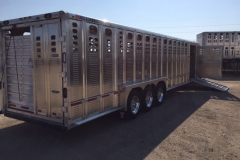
178 18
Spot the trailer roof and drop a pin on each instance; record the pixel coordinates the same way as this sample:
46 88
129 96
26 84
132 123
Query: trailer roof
59 14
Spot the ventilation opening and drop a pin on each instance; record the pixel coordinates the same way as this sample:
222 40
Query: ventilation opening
139 37
74 24
74 31
75 37
48 16
53 37
147 38
154 39
165 41
93 29
232 37
53 43
75 43
130 35
108 32
221 35
53 49
22 31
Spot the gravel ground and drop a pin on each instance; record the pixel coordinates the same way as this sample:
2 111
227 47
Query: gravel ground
194 122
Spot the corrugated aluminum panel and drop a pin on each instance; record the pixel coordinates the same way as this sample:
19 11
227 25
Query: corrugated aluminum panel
147 58
209 61
107 61
174 64
108 66
108 102
164 59
76 112
120 57
93 62
93 107
19 73
75 50
129 57
76 64
47 80
139 52
182 62
154 57
178 63
159 57
185 62
53 55
40 69
170 63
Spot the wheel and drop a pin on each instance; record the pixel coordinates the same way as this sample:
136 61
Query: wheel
159 94
147 99
133 104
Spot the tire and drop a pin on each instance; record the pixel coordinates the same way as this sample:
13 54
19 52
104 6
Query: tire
159 94
133 104
147 100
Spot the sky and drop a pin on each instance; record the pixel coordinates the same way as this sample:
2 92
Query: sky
178 18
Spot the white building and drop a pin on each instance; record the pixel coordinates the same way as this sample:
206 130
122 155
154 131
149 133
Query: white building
230 41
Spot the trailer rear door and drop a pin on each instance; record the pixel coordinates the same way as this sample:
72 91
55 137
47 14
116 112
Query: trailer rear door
34 70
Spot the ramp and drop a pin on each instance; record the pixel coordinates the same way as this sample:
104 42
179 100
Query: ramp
209 84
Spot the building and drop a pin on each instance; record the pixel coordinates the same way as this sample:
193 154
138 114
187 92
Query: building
229 40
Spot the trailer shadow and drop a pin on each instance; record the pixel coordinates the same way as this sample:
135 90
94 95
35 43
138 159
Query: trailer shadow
108 137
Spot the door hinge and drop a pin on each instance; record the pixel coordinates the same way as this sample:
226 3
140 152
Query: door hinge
62 39
64 109
63 74
64 92
65 104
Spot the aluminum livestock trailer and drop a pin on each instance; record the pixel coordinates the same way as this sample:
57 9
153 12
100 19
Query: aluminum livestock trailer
66 69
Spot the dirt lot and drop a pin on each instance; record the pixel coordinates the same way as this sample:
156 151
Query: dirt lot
194 122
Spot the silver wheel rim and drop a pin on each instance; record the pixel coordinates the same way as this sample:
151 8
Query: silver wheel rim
160 95
149 99
135 103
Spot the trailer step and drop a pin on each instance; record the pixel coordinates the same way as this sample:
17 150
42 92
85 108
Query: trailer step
209 84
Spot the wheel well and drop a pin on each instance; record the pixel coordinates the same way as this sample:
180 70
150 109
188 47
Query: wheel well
164 85
139 89
153 86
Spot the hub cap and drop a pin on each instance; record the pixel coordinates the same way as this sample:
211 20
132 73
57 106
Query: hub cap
135 103
149 99
160 95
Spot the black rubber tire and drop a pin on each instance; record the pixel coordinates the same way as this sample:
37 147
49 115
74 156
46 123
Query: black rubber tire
147 107
157 102
132 94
